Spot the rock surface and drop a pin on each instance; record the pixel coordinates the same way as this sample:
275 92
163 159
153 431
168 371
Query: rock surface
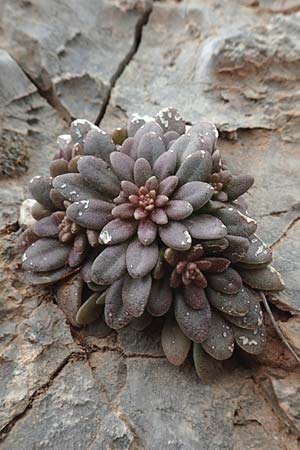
60 389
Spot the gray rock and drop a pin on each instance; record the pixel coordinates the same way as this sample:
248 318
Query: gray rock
226 70
83 57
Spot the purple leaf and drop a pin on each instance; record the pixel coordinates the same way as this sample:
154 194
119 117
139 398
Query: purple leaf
58 167
233 304
196 193
150 147
73 187
238 186
165 165
117 230
126 147
237 248
254 316
159 216
116 315
47 278
228 282
175 235
207 135
220 342
196 167
48 227
160 298
251 341
264 279
45 254
122 165
195 297
204 226
99 143
142 171
124 211
98 173
178 209
175 344
147 232
170 119
194 323
110 265
93 214
140 259
258 253
40 188
168 185
135 294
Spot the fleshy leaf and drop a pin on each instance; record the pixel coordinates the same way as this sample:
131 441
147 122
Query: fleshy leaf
233 304
175 344
251 341
175 235
40 188
68 297
58 167
178 209
196 193
79 129
89 310
160 298
254 316
206 133
47 278
214 245
150 147
170 137
45 254
93 214
117 230
142 171
170 119
207 368
204 226
237 224
220 342
142 322
78 250
116 315
135 294
140 259
99 143
48 226
127 146
264 279
165 165
98 174
238 186
147 232
194 323
258 253
122 165
73 187
237 248
196 167
168 185
228 282
195 297
110 265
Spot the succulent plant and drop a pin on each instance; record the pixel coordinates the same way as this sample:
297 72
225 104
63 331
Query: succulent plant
151 223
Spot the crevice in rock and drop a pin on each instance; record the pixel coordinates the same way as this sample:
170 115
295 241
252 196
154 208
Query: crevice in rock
50 96
39 393
135 46
285 232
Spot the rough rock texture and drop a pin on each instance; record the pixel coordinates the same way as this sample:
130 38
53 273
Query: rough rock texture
236 63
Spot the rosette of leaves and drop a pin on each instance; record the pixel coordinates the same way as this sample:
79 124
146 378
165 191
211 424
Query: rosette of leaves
153 224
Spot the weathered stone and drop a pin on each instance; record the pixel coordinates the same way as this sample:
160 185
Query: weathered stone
83 57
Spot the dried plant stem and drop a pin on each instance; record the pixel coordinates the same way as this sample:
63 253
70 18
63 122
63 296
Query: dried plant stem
277 329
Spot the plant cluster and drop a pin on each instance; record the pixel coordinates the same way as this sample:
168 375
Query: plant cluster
150 222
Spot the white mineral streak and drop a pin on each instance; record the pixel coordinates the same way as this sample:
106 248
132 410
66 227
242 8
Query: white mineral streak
105 237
